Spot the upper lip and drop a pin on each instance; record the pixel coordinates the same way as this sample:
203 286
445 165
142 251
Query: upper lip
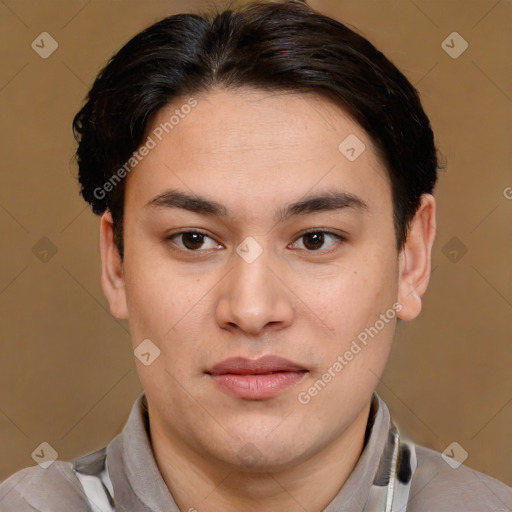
265 364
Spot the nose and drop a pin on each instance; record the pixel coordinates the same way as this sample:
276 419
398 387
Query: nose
254 297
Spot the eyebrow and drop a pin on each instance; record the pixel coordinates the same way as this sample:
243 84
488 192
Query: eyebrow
325 201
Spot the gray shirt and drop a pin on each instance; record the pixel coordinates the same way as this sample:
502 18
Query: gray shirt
139 486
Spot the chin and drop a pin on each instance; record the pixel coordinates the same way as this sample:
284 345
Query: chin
261 452
251 459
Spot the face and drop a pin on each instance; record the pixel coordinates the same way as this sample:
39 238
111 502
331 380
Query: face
255 230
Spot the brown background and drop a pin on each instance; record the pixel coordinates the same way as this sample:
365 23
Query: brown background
67 372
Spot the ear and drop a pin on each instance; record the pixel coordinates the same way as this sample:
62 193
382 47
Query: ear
112 271
415 258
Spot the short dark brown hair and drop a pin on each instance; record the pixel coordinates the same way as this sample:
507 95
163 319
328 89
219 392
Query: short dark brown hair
285 46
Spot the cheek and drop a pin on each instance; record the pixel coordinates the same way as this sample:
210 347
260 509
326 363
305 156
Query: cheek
351 303
162 311
160 300
348 294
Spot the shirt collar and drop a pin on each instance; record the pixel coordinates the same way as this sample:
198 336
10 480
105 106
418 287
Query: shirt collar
139 460
149 486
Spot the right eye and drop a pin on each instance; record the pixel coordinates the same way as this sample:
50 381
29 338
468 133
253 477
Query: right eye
191 241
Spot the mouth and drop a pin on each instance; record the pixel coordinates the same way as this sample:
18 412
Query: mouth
257 379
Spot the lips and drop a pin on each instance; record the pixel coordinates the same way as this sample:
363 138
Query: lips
256 379
265 364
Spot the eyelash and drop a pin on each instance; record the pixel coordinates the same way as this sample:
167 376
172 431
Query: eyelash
339 240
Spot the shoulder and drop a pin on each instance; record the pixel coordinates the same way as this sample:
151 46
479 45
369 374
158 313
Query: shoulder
438 486
54 489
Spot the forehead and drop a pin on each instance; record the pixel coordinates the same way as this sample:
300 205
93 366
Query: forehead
262 145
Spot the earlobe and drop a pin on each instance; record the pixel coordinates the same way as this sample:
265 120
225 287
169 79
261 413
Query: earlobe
415 259
112 273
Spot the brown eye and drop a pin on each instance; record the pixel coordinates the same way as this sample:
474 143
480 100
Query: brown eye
192 241
314 240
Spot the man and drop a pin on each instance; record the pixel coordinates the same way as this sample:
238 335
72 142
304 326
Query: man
265 181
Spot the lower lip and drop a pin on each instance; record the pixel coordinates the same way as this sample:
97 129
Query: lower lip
257 387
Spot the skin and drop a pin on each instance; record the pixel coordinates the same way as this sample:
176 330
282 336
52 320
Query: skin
255 152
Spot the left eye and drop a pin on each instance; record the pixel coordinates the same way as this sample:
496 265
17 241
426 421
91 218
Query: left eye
315 239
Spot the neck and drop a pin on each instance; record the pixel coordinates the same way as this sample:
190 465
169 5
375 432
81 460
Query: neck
198 484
